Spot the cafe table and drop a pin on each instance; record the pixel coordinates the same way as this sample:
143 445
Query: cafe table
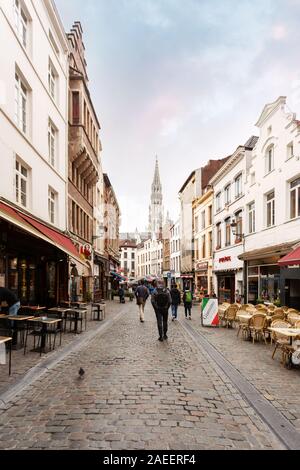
288 332
62 312
100 310
33 308
3 340
19 319
45 322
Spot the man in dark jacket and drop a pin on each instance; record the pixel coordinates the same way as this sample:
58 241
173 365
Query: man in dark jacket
176 300
142 294
11 299
161 301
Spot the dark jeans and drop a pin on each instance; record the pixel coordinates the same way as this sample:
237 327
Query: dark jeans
174 310
162 321
187 309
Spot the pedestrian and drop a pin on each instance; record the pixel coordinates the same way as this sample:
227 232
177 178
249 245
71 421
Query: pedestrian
142 294
130 292
187 301
176 300
11 299
121 295
161 301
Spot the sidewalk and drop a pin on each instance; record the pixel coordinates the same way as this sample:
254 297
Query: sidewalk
23 364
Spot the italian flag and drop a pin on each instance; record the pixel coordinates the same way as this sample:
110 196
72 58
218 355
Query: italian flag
209 308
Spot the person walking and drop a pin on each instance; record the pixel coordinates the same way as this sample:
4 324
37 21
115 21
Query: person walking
176 300
11 299
161 301
187 302
121 295
142 294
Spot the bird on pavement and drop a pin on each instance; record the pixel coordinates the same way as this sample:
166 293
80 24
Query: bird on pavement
81 372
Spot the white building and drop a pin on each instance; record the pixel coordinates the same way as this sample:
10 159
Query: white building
175 251
33 108
272 200
229 195
128 258
150 258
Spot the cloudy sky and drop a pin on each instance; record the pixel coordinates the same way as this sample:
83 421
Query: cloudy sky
182 79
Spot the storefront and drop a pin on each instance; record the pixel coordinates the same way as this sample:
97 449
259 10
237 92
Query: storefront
228 276
188 281
101 275
203 277
263 274
33 258
290 279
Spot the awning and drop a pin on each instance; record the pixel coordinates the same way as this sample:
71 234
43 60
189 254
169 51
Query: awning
268 251
291 258
39 230
117 276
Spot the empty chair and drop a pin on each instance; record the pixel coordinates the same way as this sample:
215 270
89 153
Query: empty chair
257 325
230 315
292 318
281 341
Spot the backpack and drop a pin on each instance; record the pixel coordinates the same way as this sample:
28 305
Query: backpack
162 299
188 297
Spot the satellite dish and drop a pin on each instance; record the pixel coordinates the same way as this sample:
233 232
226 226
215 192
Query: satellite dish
296 357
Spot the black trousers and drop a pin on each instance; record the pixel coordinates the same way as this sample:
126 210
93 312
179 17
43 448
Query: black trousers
162 321
187 309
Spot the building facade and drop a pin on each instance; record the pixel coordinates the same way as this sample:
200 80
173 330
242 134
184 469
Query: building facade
272 205
112 216
150 258
128 258
203 236
175 253
229 196
34 244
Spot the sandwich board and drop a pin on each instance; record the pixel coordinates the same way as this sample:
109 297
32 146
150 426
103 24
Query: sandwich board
209 312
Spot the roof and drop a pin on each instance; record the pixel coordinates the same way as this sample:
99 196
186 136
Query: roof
127 243
186 181
251 142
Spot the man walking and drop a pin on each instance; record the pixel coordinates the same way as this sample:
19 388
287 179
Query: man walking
187 301
142 295
11 299
175 295
161 301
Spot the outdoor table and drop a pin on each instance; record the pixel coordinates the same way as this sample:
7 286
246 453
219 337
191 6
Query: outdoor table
3 315
288 332
61 311
7 339
18 318
76 312
100 308
45 321
33 308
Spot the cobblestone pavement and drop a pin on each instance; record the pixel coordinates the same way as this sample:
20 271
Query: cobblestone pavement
23 363
137 393
276 383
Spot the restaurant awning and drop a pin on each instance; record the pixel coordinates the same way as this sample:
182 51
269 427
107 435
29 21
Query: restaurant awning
291 259
39 230
268 251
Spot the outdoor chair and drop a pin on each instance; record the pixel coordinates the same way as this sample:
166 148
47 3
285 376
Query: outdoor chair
281 342
293 310
284 308
230 315
257 325
243 324
292 318
278 310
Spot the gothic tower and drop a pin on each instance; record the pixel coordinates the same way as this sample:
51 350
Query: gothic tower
156 207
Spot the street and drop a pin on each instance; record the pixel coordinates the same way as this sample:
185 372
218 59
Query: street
138 393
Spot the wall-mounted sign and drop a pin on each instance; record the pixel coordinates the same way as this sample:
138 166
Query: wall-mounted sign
202 266
224 259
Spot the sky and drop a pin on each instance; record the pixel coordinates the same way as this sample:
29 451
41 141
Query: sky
185 80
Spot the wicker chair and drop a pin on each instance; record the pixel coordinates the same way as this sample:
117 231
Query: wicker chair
293 310
278 316
292 318
297 324
243 324
278 310
230 315
257 326
281 341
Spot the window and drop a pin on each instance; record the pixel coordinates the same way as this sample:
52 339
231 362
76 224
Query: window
269 160
22 176
51 143
20 104
196 224
295 198
53 42
132 255
209 215
209 243
238 186
290 150
218 202
202 220
239 226
203 246
21 22
227 232
125 264
219 237
51 205
227 194
125 254
52 79
251 217
132 265
252 178
270 198
75 107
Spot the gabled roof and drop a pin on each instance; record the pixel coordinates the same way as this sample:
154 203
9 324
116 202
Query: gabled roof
270 108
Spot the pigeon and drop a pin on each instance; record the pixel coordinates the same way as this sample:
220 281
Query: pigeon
81 372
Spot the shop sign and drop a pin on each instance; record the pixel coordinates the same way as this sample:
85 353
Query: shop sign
224 259
202 266
209 312
85 251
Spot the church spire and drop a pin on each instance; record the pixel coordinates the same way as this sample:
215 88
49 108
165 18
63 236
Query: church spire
155 208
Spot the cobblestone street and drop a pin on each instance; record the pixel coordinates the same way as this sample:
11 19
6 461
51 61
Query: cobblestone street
137 393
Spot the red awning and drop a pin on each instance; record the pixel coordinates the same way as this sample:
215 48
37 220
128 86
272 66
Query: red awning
61 240
39 230
291 258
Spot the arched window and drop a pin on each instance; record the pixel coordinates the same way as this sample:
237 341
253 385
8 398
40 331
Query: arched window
269 159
